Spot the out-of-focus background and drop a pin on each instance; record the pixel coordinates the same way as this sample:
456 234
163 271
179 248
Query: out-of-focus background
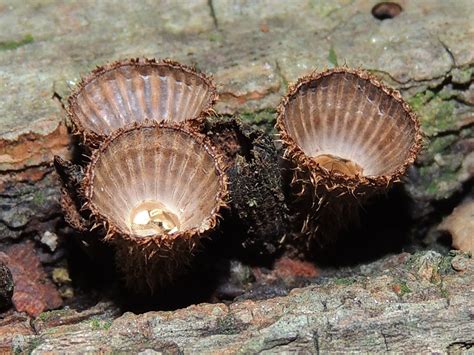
254 50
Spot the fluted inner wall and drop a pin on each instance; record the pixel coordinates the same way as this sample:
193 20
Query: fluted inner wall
162 165
133 93
349 117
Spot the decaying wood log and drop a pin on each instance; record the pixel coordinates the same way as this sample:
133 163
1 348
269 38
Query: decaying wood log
416 303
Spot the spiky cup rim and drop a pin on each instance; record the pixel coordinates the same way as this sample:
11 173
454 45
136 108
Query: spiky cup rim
112 231
91 138
336 179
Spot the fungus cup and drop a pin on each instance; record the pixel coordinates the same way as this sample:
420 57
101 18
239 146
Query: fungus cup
347 137
155 189
127 91
154 186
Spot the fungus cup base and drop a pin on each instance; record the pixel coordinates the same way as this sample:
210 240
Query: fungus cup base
339 165
328 187
151 218
151 257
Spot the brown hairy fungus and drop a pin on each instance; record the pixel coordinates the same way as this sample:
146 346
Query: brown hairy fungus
347 136
156 189
154 186
128 91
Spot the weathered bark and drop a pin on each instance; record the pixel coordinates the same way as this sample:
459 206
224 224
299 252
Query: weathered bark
253 50
414 303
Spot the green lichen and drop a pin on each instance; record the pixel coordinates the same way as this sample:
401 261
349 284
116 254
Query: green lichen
435 110
326 9
439 164
97 324
264 119
462 75
418 101
36 342
439 183
439 145
9 45
403 288
215 37
444 292
444 267
39 198
264 116
332 57
51 315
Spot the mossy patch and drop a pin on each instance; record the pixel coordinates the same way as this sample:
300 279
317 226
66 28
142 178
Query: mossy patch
462 75
439 145
437 183
435 110
443 291
401 288
36 342
39 198
10 45
215 37
327 8
332 57
440 162
53 315
97 324
444 267
264 116
264 119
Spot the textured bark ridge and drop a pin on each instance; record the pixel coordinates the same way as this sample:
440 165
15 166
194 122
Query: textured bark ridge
255 183
391 306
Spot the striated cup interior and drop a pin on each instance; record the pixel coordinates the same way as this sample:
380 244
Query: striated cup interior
133 91
350 125
151 181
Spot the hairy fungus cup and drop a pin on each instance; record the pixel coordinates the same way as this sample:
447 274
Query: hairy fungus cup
347 137
128 91
153 182
157 189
